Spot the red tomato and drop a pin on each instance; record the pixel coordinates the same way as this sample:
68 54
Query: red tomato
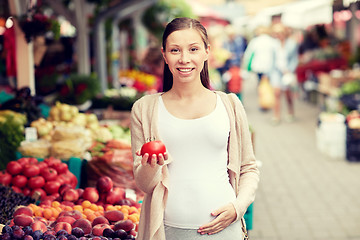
49 173
26 191
23 161
60 167
153 147
14 168
52 187
31 170
19 181
36 182
5 178
51 161
42 165
39 191
16 189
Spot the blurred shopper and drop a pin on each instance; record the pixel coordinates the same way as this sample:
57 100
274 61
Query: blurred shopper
259 54
202 186
283 75
236 45
218 57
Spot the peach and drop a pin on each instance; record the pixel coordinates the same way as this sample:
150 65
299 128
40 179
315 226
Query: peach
23 220
104 184
100 220
74 213
98 230
84 224
114 215
23 211
63 225
126 225
115 195
91 194
70 195
67 219
39 225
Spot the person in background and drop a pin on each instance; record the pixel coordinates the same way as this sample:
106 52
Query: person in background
283 75
236 45
201 187
259 54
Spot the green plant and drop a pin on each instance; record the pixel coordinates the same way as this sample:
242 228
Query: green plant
78 89
157 16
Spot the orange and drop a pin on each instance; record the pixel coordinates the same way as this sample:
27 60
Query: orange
133 210
68 208
38 212
101 208
94 207
47 213
86 204
91 217
133 218
79 208
110 207
124 210
55 212
88 211
55 204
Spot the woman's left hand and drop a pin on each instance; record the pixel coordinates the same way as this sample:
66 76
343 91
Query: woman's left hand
224 217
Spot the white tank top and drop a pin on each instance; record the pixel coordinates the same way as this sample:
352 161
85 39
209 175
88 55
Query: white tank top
199 181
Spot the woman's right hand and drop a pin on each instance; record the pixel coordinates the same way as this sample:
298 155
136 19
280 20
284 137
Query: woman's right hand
152 160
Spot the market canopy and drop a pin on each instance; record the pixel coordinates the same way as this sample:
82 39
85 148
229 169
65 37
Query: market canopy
303 14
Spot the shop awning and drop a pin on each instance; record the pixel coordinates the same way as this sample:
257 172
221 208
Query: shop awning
303 14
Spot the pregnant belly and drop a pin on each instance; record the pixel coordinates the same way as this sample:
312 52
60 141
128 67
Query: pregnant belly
189 205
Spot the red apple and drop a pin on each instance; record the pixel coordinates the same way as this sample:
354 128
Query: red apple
91 194
104 184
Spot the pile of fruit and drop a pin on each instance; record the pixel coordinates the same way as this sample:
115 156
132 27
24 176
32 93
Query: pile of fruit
101 212
44 178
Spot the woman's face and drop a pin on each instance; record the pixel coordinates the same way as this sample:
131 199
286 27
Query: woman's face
185 55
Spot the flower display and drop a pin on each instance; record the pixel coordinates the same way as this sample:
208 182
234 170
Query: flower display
139 80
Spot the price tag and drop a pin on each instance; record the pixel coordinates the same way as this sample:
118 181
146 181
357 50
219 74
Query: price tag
30 134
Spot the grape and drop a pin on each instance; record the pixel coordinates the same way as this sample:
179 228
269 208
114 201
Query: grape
62 237
27 230
6 229
121 233
17 233
37 235
62 232
49 237
72 237
109 233
77 232
9 201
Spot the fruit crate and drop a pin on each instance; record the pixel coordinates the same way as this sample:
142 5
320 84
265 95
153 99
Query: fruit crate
352 144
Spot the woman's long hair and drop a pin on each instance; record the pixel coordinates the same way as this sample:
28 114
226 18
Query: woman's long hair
181 24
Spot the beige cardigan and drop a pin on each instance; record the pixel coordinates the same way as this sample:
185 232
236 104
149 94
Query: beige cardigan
242 168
